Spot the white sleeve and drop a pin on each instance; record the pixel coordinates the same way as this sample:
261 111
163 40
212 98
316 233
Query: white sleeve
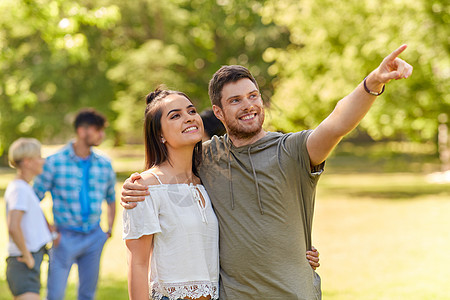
17 198
142 220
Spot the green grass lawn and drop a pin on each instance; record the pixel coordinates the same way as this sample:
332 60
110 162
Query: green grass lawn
379 240
382 231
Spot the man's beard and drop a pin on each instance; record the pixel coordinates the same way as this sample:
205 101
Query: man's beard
239 132
242 135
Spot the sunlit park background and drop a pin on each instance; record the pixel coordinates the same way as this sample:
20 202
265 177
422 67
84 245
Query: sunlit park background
382 221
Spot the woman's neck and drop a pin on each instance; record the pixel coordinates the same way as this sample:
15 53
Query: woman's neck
179 165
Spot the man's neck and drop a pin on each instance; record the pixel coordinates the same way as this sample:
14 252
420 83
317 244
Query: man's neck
81 149
239 142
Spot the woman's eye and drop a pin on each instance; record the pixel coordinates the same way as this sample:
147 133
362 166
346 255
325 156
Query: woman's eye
174 116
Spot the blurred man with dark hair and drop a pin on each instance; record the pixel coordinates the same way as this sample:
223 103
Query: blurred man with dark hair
79 179
212 125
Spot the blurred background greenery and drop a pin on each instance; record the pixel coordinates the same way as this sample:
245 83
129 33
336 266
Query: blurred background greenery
60 55
57 56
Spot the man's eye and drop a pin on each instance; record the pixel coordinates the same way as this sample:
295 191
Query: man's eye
234 100
193 112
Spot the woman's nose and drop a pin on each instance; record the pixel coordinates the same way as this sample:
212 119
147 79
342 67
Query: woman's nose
189 118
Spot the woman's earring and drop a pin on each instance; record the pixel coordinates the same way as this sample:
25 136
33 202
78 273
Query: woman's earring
163 140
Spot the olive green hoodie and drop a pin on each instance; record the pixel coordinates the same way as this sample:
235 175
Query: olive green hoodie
263 195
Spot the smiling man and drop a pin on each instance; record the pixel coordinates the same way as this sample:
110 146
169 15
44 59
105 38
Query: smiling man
240 122
262 184
262 188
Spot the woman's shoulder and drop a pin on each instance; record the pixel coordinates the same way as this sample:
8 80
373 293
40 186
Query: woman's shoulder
151 177
160 176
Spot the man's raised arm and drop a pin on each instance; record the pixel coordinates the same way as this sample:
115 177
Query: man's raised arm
350 110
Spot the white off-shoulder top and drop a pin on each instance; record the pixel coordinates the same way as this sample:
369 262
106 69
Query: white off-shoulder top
185 258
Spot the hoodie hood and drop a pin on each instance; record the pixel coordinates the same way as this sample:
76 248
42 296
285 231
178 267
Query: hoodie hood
267 141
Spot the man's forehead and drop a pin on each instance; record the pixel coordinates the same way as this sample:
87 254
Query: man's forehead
237 88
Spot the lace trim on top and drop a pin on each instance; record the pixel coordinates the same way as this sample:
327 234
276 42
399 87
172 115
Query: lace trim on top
191 289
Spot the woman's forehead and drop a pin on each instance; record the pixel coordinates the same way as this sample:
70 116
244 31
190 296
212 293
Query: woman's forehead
175 101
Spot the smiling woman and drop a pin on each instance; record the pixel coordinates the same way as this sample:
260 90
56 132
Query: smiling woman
182 126
177 105
175 227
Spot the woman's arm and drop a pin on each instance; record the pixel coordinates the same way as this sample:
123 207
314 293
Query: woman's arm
15 231
139 253
313 258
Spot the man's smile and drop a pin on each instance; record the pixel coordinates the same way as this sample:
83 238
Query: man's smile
248 117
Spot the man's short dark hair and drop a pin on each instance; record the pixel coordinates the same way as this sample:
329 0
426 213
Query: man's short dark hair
89 117
223 76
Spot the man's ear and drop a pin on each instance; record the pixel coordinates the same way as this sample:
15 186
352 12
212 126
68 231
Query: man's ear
218 112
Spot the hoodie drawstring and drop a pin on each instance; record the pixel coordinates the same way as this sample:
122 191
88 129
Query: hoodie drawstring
256 182
230 179
231 182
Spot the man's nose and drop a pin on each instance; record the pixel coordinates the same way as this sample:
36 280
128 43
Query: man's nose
247 103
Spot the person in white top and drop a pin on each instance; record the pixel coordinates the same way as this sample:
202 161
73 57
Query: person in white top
175 228
28 229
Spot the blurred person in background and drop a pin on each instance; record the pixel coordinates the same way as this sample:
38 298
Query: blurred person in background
28 229
79 180
212 125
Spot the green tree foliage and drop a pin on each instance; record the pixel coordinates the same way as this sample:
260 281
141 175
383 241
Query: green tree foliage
181 43
334 45
52 61
57 56
60 55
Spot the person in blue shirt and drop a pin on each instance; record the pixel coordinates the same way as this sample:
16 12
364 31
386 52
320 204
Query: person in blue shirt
79 180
